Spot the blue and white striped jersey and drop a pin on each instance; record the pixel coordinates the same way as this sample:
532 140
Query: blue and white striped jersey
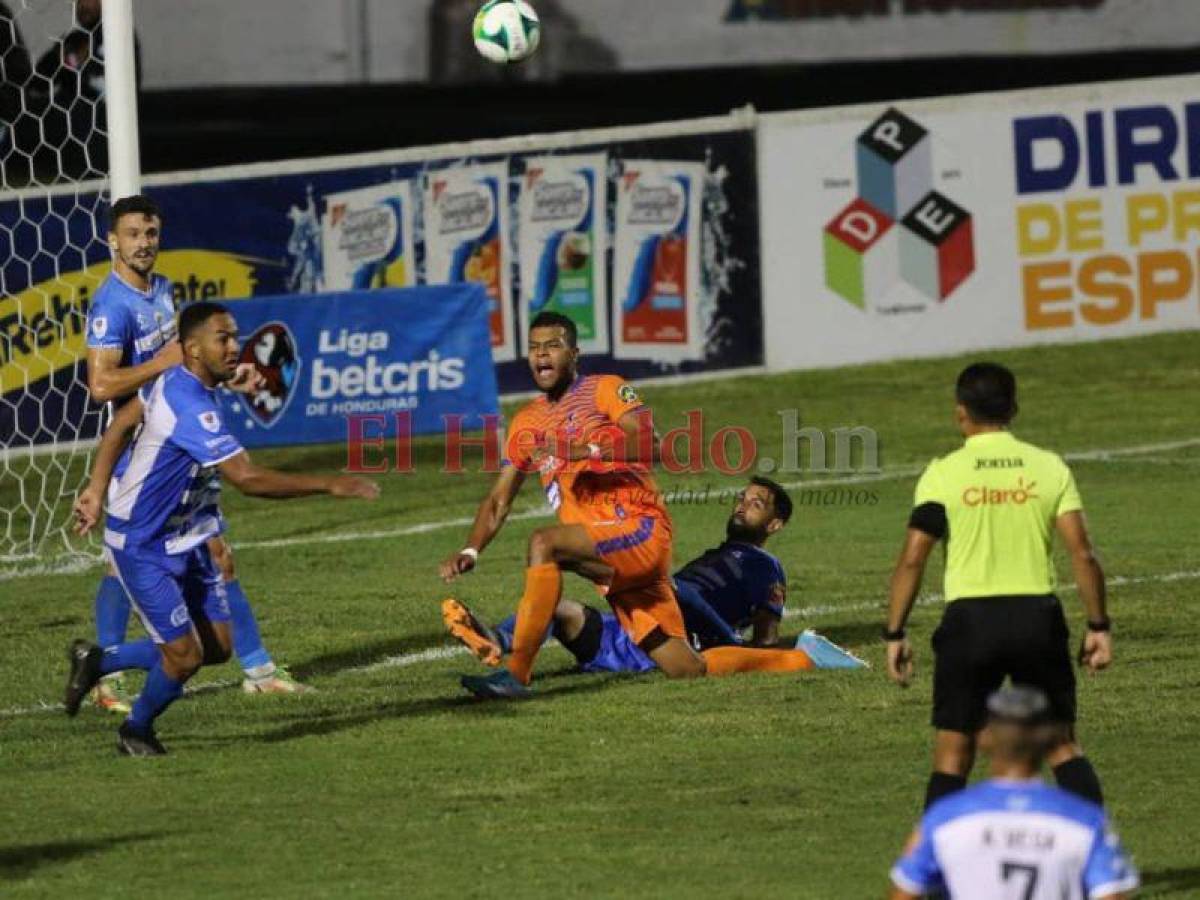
123 318
165 500
1016 840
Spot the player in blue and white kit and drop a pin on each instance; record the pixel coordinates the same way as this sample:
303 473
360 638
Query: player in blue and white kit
1013 837
735 587
162 514
131 341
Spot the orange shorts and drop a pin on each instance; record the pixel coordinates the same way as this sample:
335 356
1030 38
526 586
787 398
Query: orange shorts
652 606
641 593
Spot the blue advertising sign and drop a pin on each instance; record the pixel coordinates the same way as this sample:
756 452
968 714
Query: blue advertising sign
425 351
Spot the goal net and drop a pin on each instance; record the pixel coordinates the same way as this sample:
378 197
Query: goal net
53 256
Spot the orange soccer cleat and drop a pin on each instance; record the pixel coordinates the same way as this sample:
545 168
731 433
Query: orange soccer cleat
471 633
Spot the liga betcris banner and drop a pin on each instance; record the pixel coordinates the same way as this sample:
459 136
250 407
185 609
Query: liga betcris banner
936 227
423 353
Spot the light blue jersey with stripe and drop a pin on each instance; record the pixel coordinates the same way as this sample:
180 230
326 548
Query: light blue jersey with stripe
1016 840
165 499
137 323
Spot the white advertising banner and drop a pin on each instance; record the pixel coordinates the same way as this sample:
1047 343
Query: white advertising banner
367 238
936 227
563 229
656 261
467 238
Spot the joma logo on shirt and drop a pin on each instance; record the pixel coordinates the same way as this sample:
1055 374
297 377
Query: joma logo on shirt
1000 462
982 495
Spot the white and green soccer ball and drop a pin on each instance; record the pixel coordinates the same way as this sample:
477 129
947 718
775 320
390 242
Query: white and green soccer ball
506 31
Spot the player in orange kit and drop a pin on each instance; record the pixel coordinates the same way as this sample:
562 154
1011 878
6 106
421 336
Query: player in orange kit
592 442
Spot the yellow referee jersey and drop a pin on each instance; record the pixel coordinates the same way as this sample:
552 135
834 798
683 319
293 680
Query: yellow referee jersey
1001 497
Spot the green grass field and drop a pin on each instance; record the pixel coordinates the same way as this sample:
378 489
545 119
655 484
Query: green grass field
389 782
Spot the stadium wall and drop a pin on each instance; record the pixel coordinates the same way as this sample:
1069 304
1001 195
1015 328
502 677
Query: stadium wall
931 227
232 42
647 237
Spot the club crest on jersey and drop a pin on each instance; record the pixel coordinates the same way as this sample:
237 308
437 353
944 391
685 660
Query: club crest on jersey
272 351
210 421
100 326
627 394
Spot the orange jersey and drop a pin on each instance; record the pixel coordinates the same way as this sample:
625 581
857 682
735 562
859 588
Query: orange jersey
584 491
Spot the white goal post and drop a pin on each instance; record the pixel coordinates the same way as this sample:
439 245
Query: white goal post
68 145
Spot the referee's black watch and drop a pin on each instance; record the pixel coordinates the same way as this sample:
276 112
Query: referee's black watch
898 635
1102 625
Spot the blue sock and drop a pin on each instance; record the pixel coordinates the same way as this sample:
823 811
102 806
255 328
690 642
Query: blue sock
159 692
112 612
141 654
504 631
247 642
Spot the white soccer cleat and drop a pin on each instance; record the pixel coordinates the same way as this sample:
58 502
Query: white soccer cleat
278 682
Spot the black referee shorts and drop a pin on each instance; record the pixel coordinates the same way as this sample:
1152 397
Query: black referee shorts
983 640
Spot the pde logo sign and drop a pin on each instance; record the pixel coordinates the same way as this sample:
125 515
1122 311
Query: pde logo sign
898 228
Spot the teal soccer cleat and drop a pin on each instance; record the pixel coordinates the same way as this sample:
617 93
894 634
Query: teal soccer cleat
825 654
501 685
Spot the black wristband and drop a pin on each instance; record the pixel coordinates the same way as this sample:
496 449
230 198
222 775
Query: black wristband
1102 625
898 635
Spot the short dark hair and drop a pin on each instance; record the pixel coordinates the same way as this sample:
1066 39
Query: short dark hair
548 319
138 203
1022 723
989 393
196 314
780 499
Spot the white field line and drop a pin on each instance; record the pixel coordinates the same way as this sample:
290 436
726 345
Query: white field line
436 654
1099 454
77 565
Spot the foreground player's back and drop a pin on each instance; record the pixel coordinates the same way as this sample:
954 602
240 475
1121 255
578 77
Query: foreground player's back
1003 839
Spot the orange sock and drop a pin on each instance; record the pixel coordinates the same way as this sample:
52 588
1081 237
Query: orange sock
543 585
731 660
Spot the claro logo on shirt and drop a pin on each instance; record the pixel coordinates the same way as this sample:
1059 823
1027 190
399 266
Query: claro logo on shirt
982 495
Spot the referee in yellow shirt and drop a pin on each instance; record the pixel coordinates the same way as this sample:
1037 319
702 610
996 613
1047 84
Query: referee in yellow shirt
996 502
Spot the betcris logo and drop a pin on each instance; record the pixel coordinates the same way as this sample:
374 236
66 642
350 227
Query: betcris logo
1108 218
357 364
330 357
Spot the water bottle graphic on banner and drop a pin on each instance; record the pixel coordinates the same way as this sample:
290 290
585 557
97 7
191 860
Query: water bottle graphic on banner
466 240
657 261
367 238
561 216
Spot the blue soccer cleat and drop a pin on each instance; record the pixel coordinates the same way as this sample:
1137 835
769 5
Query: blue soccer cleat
502 685
825 654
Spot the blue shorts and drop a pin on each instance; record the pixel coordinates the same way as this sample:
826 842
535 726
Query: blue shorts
170 592
617 653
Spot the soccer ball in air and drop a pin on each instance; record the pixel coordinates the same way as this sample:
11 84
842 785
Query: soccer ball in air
506 31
